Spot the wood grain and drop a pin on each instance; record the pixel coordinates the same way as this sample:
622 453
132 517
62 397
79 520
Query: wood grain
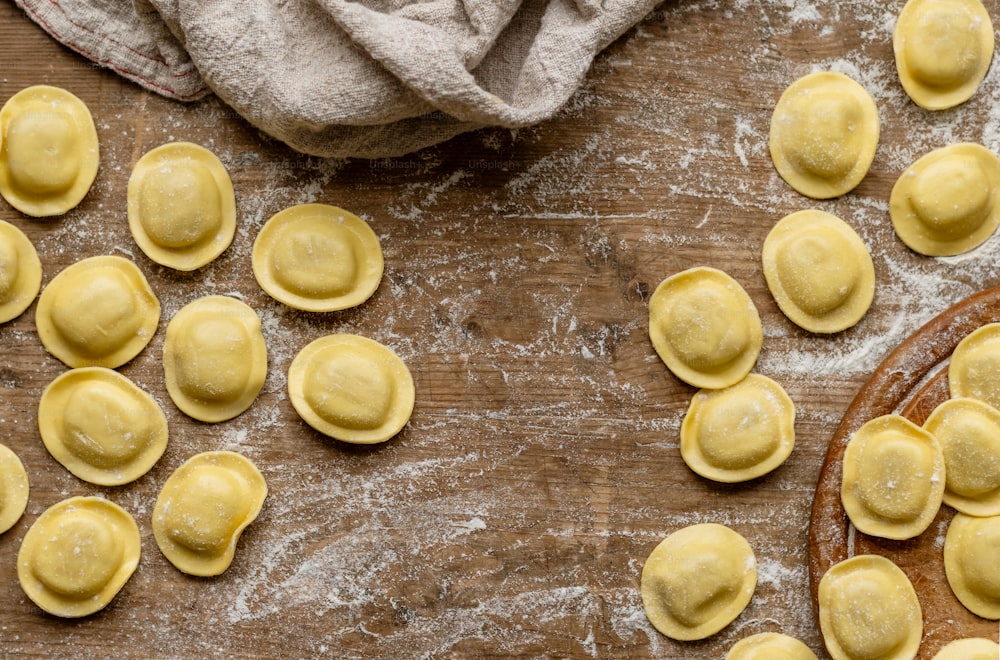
512 516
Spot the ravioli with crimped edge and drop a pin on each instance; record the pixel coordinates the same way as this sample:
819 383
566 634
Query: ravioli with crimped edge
181 205
351 388
893 478
20 272
823 136
101 426
317 258
203 508
740 432
78 555
943 50
49 151
705 327
14 488
214 358
697 581
948 201
868 608
972 563
98 312
969 433
819 271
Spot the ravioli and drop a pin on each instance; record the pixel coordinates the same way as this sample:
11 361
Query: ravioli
697 581
824 132
181 206
317 258
974 370
869 609
78 555
972 563
705 328
20 272
738 433
214 358
894 478
204 507
49 151
13 488
970 648
101 426
819 271
98 312
943 50
351 388
969 433
946 202
770 646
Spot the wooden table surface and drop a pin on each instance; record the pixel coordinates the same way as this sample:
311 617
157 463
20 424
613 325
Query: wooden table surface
512 516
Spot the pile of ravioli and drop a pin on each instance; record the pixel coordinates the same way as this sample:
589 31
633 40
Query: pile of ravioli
740 425
99 313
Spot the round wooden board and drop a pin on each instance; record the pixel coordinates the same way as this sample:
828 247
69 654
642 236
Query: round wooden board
912 381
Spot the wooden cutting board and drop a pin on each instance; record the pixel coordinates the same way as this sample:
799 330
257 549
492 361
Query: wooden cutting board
912 381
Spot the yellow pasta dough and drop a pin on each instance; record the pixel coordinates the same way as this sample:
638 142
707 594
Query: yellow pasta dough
101 426
317 258
972 563
214 358
894 477
869 609
770 646
969 433
819 271
970 648
78 555
740 432
49 151
13 488
351 388
697 580
98 312
943 50
204 507
824 131
181 205
946 202
974 370
705 327
20 272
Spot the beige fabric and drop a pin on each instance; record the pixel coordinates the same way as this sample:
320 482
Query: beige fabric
370 78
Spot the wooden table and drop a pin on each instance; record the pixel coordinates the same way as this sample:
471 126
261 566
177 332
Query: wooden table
513 515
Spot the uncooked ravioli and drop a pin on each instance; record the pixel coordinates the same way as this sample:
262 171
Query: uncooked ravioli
20 272
705 327
740 432
697 581
181 205
98 312
824 132
972 563
13 488
78 555
943 50
969 433
869 609
49 152
819 271
948 201
893 478
214 358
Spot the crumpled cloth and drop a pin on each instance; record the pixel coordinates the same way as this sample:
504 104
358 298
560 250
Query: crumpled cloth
368 78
